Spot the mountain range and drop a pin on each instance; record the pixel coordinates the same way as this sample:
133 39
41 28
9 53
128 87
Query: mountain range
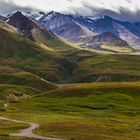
56 48
77 77
35 32
101 33
75 27
27 46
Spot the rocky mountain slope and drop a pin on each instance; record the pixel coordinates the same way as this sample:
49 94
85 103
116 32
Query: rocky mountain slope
37 33
60 23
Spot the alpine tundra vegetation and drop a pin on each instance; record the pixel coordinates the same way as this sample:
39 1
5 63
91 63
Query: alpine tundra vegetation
69 70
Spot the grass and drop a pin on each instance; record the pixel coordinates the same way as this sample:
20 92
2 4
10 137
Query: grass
26 79
84 111
10 127
7 127
107 109
13 138
11 93
109 68
20 55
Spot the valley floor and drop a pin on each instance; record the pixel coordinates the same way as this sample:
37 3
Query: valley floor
27 132
101 111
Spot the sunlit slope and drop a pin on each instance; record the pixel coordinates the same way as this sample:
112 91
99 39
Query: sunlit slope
65 65
107 68
105 111
32 30
15 51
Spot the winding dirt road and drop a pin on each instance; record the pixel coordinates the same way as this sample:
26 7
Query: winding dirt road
28 132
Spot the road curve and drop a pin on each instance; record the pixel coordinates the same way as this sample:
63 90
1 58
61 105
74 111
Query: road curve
28 132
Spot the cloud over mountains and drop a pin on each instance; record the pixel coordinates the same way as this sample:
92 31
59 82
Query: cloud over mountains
121 9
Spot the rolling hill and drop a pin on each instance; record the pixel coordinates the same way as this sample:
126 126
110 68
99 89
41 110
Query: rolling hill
19 54
104 111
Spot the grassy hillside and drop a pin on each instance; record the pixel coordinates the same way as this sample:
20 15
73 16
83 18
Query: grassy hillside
61 63
14 45
18 53
101 111
108 109
109 68
7 27
22 55
16 92
7 127
16 50
26 79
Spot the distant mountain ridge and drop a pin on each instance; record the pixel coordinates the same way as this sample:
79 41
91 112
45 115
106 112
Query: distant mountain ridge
60 23
86 32
65 26
109 38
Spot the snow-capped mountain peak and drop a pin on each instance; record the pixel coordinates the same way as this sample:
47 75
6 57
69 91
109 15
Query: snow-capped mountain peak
76 25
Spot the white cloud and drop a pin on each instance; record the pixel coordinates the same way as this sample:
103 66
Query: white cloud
65 5
84 7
